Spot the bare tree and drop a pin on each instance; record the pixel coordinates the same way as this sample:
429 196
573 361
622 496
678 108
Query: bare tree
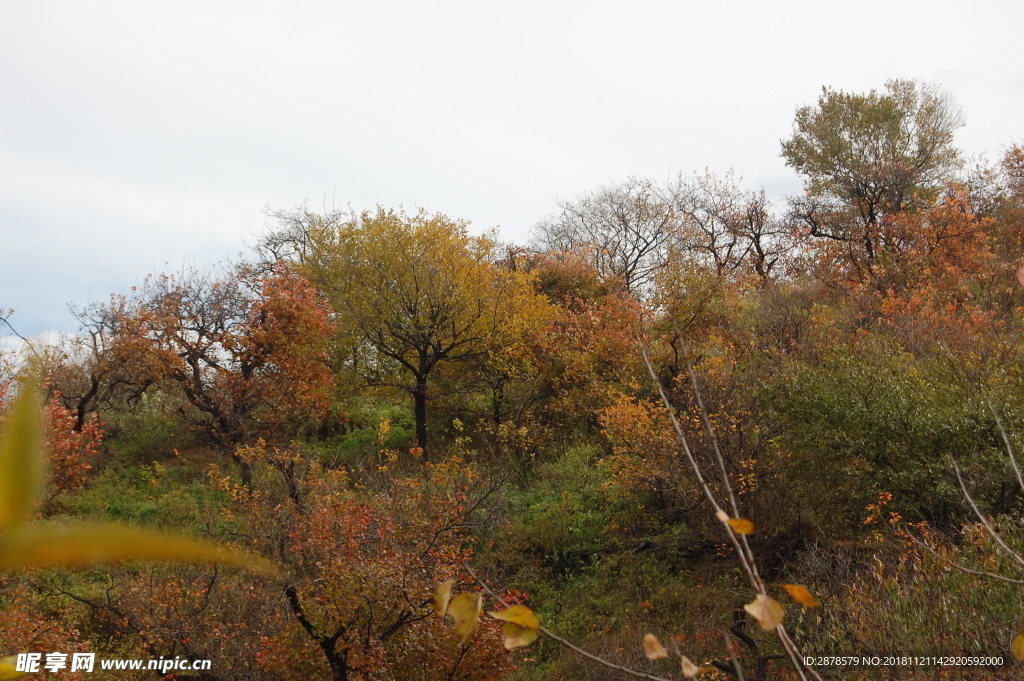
724 227
623 229
289 239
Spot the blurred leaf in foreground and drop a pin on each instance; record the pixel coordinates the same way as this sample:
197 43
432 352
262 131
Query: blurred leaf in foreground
801 595
442 596
520 628
653 648
89 544
8 665
1017 648
465 611
21 461
28 545
766 610
741 525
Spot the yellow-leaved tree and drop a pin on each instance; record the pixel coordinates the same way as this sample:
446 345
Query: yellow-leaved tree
414 291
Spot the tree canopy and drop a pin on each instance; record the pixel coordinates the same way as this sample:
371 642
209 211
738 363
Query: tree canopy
415 291
876 151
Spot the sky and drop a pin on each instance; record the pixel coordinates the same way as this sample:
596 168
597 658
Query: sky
139 137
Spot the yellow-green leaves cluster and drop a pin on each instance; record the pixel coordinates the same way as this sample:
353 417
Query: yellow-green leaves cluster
521 624
419 289
520 628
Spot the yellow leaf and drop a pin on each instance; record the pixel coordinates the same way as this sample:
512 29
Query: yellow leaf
21 460
690 670
74 545
442 595
722 515
653 648
517 636
518 614
801 595
1017 648
767 611
741 525
8 666
465 611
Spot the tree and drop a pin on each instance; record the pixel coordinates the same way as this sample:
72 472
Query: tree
363 563
863 156
182 611
1005 187
27 627
725 228
291 239
940 249
623 229
587 351
95 370
415 291
71 449
246 351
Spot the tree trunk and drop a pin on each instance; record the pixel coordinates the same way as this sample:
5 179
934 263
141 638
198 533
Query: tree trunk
245 468
419 396
338 662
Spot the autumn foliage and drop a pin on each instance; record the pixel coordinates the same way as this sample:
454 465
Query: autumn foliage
247 351
357 603
703 430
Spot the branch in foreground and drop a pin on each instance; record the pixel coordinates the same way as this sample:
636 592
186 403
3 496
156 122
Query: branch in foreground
981 516
554 637
962 568
743 550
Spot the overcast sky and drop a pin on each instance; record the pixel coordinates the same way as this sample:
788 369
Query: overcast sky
139 136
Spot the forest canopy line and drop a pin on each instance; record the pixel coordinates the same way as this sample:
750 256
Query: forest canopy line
682 410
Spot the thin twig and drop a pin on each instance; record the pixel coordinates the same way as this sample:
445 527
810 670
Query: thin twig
4 319
1009 447
981 516
736 666
752 575
554 637
794 654
980 573
742 549
706 420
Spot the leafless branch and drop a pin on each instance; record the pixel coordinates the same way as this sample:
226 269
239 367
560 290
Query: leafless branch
554 637
980 573
981 516
1009 447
